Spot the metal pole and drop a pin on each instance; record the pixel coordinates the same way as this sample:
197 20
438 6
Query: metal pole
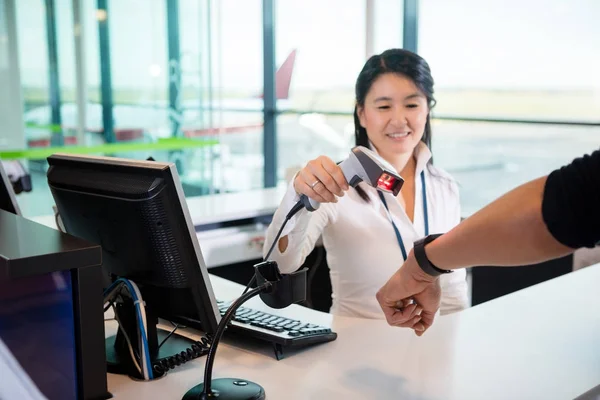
105 74
369 28
269 110
80 79
411 25
175 112
11 105
56 137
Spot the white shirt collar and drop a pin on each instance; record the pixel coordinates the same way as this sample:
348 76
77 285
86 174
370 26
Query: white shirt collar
421 153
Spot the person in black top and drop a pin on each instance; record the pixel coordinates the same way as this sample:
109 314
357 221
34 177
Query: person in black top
540 220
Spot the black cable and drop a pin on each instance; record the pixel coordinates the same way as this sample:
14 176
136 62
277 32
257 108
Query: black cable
112 296
205 344
229 314
177 325
130 345
297 207
114 292
110 304
168 336
196 350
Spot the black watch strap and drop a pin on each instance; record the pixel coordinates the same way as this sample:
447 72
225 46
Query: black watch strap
421 257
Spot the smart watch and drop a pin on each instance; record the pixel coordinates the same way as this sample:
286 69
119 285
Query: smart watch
421 257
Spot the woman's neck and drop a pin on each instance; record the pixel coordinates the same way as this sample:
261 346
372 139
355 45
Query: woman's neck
405 164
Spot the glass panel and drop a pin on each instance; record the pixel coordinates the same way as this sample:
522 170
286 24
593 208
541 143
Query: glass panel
222 79
489 159
11 107
221 86
239 166
304 137
237 52
139 68
388 22
534 59
34 68
329 37
65 42
92 55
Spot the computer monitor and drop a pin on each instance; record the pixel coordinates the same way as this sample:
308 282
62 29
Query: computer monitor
136 211
50 320
8 201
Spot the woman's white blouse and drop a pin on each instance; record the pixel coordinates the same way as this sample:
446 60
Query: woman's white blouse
362 249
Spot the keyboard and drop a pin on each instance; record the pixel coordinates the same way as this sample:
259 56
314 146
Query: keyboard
282 332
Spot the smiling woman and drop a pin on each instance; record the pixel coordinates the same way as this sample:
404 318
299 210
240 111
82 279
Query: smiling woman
367 233
394 97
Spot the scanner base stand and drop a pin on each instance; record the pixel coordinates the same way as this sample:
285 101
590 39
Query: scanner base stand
227 389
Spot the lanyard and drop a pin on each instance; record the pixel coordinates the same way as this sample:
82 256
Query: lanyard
425 216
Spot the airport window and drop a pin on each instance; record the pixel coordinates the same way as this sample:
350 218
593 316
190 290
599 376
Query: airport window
388 19
493 64
532 71
328 39
490 158
33 59
138 64
222 76
512 103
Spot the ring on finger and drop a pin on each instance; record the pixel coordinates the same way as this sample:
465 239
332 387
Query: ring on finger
312 186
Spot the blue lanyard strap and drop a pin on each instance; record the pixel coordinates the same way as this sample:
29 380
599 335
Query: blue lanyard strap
424 193
425 215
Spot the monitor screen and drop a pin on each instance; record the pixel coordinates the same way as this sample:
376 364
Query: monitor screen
37 327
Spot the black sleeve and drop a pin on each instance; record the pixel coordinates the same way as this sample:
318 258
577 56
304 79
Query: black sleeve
571 203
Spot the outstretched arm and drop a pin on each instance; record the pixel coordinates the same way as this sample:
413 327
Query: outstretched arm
509 231
540 220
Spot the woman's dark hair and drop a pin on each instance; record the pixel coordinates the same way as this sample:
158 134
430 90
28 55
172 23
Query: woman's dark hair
396 61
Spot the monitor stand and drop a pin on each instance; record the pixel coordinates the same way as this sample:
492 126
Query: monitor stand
175 351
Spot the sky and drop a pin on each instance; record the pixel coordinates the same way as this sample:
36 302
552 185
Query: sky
499 44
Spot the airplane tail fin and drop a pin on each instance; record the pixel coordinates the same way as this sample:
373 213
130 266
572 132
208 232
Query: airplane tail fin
283 77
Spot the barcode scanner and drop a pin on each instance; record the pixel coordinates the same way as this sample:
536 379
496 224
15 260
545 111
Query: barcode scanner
364 165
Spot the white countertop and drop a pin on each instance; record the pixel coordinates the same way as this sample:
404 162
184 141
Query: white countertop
234 206
542 342
539 343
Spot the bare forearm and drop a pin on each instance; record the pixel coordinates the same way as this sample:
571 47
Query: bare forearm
509 231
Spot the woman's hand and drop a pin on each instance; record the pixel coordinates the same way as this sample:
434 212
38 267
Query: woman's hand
321 180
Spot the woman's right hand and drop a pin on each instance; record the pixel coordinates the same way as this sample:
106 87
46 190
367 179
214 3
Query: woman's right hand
321 180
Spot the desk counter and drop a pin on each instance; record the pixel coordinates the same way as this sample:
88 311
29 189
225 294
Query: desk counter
539 343
225 207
